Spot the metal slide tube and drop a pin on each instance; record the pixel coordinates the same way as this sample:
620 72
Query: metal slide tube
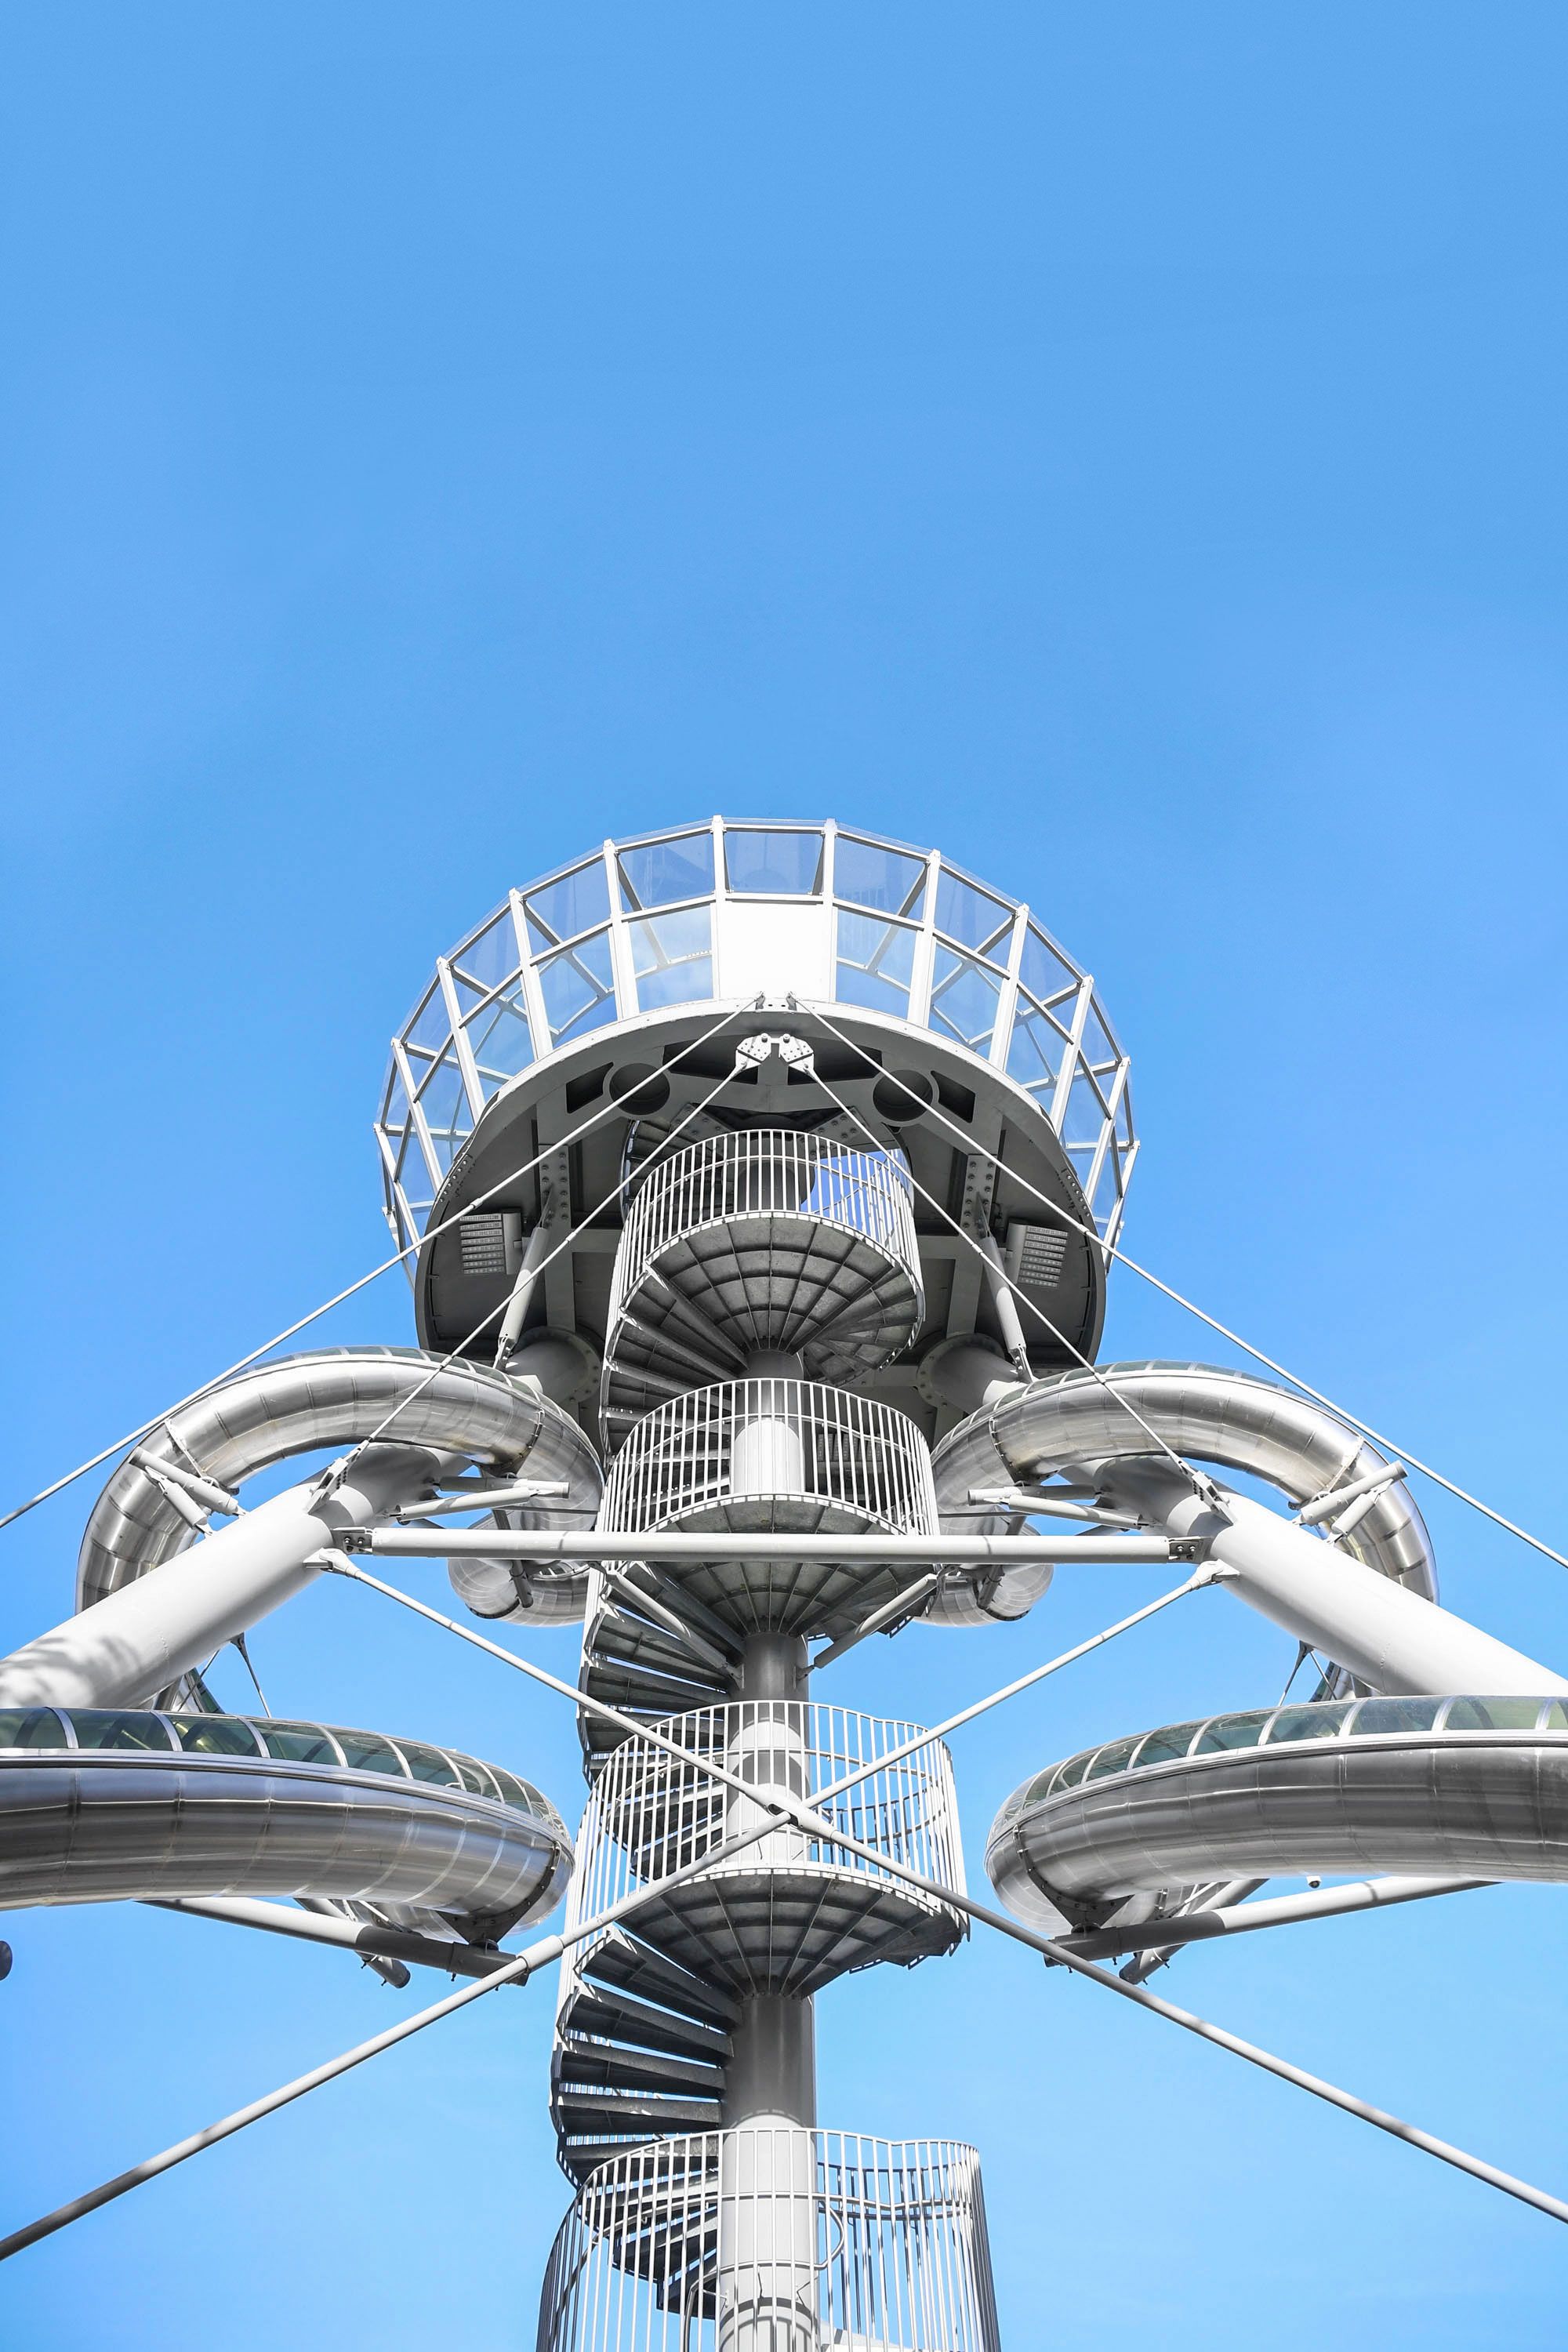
137 1641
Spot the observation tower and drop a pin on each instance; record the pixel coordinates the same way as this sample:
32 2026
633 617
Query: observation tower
785 1281
758 1185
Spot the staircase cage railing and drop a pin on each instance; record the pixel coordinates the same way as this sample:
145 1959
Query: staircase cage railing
773 2239
767 1172
829 1447
651 1813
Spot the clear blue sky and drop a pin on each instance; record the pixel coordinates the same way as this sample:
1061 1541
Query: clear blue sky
1123 446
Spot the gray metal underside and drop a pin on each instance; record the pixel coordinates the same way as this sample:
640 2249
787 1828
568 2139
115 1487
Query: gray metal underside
786 1595
796 1283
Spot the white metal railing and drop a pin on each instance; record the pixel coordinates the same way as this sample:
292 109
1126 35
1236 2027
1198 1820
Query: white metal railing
774 2239
670 919
652 1812
742 1440
767 1172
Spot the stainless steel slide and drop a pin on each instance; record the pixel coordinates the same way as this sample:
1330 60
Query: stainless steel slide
110 1804
1471 1788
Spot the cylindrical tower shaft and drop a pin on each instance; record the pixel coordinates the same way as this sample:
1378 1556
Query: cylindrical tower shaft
773 2073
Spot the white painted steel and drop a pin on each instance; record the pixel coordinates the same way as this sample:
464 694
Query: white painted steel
773 2239
140 1640
1275 1911
1381 1631
714 1454
650 1814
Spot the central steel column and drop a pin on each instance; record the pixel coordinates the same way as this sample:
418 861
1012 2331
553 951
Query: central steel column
767 2170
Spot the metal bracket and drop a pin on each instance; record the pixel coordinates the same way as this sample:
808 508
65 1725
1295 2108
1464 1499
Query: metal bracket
979 1193
792 1052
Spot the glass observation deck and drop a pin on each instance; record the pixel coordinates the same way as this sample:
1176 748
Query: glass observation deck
39 1729
1278 1727
722 912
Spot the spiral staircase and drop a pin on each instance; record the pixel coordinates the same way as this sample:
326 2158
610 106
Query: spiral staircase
758 1272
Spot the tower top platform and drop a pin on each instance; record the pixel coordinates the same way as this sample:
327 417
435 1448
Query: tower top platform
582 988
724 911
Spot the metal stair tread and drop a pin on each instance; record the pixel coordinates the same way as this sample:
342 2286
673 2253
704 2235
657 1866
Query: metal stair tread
621 2016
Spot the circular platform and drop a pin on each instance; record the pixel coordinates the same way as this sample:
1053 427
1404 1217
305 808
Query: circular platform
776 1457
793 1912
766 1240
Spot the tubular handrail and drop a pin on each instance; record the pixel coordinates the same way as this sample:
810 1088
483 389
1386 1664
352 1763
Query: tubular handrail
853 1453
765 1172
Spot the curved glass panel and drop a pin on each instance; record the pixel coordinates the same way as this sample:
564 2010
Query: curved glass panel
1385 1715
660 873
571 954
1165 1746
214 1735
365 1753
119 1727
672 956
470 1775
566 909
1113 1759
1233 1731
31 1726
430 1764
972 916
1486 1715
870 873
876 963
1313 1720
97 1729
774 864
498 1033
299 1743
579 990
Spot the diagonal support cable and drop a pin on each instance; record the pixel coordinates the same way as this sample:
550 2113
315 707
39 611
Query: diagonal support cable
816 1824
805 1817
514 1971
339 1470
1178 1298
145 1428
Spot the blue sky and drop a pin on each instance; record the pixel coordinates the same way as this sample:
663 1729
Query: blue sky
1123 446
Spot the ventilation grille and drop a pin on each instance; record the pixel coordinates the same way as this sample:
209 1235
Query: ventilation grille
481 1242
1036 1255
